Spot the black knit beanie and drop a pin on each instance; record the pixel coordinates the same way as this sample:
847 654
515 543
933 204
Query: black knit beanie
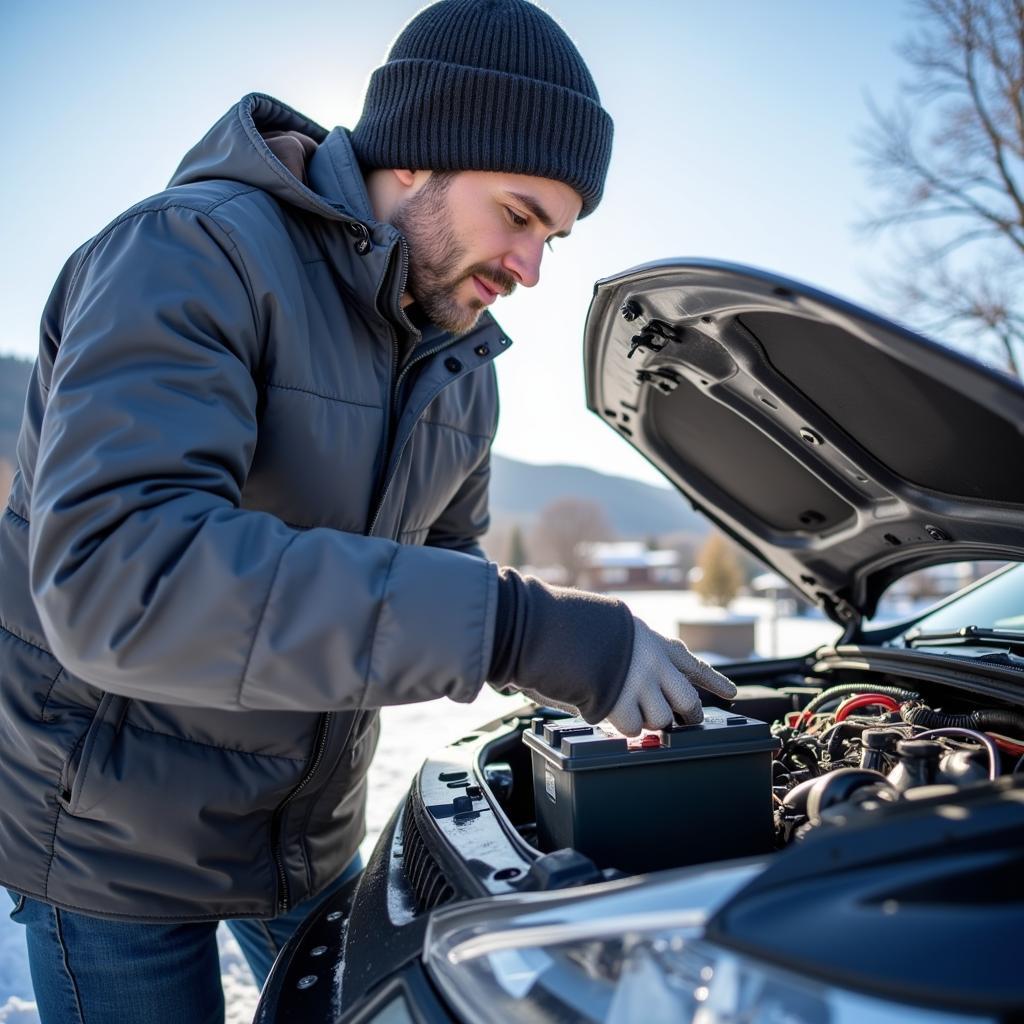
487 85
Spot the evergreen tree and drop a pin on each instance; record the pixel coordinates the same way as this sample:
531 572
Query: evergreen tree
517 556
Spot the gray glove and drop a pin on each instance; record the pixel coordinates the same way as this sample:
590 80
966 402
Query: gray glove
660 684
659 689
588 654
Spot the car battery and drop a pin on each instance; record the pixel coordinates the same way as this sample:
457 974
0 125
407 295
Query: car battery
686 795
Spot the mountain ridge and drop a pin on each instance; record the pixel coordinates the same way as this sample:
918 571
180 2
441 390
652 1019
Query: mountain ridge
633 508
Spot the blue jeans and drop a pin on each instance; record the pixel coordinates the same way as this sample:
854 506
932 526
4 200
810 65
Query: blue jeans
89 970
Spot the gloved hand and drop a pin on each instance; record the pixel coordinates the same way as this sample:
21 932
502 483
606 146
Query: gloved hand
660 684
577 650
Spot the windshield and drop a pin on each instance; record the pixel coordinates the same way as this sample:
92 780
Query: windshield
996 603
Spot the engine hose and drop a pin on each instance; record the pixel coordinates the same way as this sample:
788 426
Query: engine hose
803 757
846 689
983 719
839 786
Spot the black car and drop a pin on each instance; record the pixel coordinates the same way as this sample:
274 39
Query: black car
845 841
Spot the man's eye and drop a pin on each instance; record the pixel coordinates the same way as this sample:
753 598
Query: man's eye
550 243
520 222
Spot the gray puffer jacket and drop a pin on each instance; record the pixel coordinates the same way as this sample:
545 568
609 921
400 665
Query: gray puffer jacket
245 516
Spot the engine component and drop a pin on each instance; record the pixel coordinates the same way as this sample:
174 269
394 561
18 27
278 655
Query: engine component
878 746
844 785
973 734
686 795
919 764
962 767
857 744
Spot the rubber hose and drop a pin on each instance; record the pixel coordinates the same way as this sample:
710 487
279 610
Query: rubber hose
982 720
918 714
849 688
839 786
998 720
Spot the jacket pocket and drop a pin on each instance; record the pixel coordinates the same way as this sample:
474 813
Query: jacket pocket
91 754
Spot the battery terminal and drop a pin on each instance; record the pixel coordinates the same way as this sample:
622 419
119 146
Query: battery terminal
645 741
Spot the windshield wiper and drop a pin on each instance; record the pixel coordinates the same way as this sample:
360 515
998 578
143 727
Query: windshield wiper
975 636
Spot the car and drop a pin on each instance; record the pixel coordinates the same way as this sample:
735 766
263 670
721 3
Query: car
844 842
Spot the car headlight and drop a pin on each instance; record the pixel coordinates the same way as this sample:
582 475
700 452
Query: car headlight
624 952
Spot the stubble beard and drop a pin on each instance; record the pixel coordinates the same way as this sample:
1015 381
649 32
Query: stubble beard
435 258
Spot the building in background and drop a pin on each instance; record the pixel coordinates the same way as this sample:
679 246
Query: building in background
629 565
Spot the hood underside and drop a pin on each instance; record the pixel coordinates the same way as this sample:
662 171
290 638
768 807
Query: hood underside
840 448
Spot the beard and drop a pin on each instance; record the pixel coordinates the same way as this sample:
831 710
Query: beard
436 256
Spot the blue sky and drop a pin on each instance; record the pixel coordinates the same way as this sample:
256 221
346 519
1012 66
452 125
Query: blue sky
736 126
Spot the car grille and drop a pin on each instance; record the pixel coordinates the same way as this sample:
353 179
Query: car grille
425 878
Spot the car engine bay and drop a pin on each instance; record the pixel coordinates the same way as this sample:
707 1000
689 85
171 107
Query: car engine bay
831 752
877 790
859 744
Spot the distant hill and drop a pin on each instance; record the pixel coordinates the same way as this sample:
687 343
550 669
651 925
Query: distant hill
14 374
519 490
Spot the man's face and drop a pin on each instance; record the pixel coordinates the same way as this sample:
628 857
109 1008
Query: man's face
475 235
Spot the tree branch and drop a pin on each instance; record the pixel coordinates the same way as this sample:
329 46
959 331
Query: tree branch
953 168
995 139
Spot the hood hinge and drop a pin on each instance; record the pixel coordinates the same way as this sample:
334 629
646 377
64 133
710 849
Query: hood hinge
840 611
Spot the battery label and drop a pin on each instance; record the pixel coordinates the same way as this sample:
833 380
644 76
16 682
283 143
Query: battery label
549 783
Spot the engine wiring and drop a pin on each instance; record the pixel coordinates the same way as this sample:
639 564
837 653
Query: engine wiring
864 701
864 728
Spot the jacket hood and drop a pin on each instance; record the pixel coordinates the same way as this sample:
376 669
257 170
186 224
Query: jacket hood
236 148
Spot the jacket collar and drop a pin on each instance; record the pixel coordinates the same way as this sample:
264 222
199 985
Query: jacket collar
335 174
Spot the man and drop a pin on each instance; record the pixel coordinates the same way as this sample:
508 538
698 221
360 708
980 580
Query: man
252 478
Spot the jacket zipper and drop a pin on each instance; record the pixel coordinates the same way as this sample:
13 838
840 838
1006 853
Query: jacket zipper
388 426
323 727
395 380
320 745
393 398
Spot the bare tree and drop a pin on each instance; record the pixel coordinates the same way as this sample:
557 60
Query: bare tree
950 156
565 524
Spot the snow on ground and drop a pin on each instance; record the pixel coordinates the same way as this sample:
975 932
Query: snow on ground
774 637
409 734
240 991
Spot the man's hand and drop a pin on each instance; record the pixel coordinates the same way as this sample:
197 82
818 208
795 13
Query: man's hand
661 684
583 651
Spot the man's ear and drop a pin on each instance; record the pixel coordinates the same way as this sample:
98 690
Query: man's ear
389 187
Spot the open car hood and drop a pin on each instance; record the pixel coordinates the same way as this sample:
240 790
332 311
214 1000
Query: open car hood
842 449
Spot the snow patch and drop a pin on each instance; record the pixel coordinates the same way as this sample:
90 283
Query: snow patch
240 992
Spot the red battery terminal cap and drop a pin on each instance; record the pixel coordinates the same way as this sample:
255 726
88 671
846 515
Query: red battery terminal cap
645 741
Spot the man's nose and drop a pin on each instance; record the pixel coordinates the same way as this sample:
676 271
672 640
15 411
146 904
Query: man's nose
523 263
